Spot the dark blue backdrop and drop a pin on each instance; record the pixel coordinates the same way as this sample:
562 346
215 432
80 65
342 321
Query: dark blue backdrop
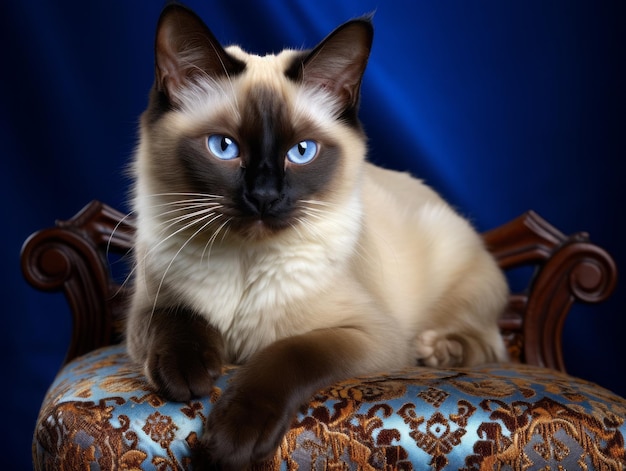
501 106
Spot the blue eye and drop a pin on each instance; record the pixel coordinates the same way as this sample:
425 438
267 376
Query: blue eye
303 152
222 147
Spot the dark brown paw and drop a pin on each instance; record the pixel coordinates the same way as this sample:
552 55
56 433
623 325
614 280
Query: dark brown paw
185 357
183 373
242 429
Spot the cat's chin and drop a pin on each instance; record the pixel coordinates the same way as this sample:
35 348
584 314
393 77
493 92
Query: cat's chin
257 229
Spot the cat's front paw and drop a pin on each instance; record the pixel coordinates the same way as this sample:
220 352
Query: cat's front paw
183 373
436 350
184 359
241 429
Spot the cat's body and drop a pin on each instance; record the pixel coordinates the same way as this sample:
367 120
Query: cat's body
264 238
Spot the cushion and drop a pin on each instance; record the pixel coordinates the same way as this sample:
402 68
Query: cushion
100 414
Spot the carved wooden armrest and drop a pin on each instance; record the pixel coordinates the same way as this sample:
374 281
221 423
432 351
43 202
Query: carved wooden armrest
73 257
569 269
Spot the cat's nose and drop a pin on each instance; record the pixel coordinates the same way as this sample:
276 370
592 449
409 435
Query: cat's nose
262 199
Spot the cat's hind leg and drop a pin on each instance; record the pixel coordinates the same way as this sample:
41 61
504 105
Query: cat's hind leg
442 349
435 349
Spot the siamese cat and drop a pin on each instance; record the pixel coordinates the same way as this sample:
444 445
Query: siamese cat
265 239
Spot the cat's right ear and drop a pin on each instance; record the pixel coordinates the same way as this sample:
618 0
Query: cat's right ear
185 49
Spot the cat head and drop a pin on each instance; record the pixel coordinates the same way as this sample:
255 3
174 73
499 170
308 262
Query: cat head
254 144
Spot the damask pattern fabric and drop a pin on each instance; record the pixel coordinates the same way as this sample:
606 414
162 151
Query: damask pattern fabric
100 414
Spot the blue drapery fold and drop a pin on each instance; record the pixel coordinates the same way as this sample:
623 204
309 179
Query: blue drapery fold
502 107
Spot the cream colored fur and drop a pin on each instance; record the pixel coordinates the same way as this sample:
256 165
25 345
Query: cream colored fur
382 254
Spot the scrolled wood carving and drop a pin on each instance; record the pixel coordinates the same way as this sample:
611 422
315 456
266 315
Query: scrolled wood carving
71 257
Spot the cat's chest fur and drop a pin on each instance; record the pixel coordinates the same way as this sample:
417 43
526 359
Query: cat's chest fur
254 293
252 296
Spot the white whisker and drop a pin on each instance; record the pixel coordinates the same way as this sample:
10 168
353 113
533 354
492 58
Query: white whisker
200 196
211 241
185 211
310 227
319 203
313 215
180 249
297 229
178 219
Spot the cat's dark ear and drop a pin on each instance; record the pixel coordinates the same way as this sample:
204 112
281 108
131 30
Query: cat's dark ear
185 49
338 62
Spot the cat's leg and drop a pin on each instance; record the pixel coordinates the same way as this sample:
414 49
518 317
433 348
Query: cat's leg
441 349
249 420
181 353
435 349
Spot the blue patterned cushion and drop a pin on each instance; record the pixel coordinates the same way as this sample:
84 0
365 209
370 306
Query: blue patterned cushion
100 414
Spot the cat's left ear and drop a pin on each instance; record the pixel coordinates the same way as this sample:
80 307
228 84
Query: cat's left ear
337 63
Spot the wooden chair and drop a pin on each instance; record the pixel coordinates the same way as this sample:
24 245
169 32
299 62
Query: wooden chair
525 414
